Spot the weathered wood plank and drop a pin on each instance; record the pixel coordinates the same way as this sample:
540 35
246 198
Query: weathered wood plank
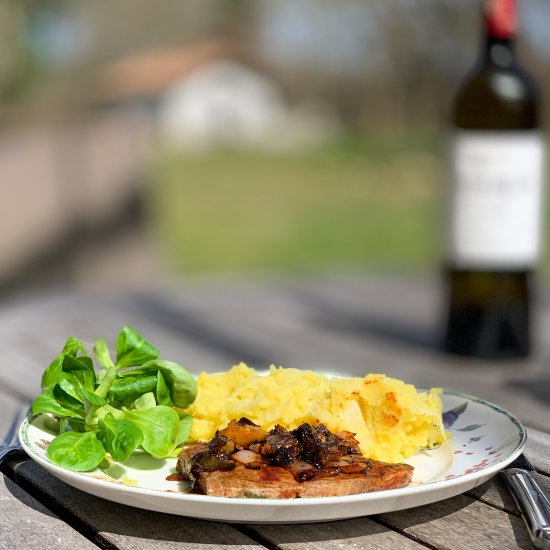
354 533
125 527
460 523
25 523
496 493
538 449
10 407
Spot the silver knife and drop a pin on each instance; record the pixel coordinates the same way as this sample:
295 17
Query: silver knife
531 501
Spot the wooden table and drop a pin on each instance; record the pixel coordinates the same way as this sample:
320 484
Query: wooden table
353 324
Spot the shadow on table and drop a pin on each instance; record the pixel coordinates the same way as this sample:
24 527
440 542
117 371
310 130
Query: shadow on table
362 532
394 330
538 388
180 322
331 316
110 524
412 520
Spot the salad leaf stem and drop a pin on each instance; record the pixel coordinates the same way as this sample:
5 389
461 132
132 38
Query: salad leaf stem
106 383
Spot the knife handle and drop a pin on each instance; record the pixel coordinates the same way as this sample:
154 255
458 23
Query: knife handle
533 505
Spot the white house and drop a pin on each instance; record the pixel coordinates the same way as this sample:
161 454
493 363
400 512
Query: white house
223 103
201 97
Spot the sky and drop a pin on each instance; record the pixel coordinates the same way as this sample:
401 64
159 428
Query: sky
346 34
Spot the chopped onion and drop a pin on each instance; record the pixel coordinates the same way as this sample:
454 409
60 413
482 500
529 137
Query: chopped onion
247 457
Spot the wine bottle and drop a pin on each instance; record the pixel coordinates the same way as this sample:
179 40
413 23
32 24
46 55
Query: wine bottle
496 172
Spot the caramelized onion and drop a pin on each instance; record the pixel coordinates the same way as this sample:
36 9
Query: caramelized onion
247 457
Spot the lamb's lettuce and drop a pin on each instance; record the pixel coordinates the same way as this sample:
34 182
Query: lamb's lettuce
160 427
133 350
46 403
181 384
184 428
119 437
79 452
132 402
51 375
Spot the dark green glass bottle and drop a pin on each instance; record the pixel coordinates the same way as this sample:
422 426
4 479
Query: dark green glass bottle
496 165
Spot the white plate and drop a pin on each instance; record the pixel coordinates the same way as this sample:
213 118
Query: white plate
485 438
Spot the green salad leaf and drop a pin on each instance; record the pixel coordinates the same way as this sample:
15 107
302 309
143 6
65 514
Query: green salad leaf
160 427
181 384
144 402
119 437
52 374
102 353
184 428
133 350
116 406
162 391
79 452
130 388
46 403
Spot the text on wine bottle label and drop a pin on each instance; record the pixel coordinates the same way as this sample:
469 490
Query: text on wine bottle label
495 198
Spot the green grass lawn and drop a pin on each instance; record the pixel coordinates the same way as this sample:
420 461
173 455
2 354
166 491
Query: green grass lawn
351 205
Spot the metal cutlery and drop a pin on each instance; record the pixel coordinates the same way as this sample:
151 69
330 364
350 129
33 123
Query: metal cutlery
530 499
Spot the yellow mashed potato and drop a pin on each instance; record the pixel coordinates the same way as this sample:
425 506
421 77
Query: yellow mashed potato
390 418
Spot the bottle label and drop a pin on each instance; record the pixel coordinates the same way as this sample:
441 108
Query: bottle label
500 18
496 198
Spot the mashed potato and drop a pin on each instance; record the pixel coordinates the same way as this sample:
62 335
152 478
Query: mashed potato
391 420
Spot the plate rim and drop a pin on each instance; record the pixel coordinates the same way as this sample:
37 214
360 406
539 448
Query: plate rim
429 487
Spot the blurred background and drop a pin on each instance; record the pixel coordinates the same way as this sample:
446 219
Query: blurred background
149 141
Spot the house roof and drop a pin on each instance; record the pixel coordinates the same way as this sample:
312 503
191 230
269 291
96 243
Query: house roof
150 73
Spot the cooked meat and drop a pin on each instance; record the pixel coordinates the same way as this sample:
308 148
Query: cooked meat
277 482
196 448
243 460
354 468
186 459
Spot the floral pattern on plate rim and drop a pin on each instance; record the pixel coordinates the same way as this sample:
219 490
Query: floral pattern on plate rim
493 453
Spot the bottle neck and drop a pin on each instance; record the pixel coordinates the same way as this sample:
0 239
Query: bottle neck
499 52
499 22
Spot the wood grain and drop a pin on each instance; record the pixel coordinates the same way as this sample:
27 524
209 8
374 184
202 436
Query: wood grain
25 523
354 533
459 523
124 527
